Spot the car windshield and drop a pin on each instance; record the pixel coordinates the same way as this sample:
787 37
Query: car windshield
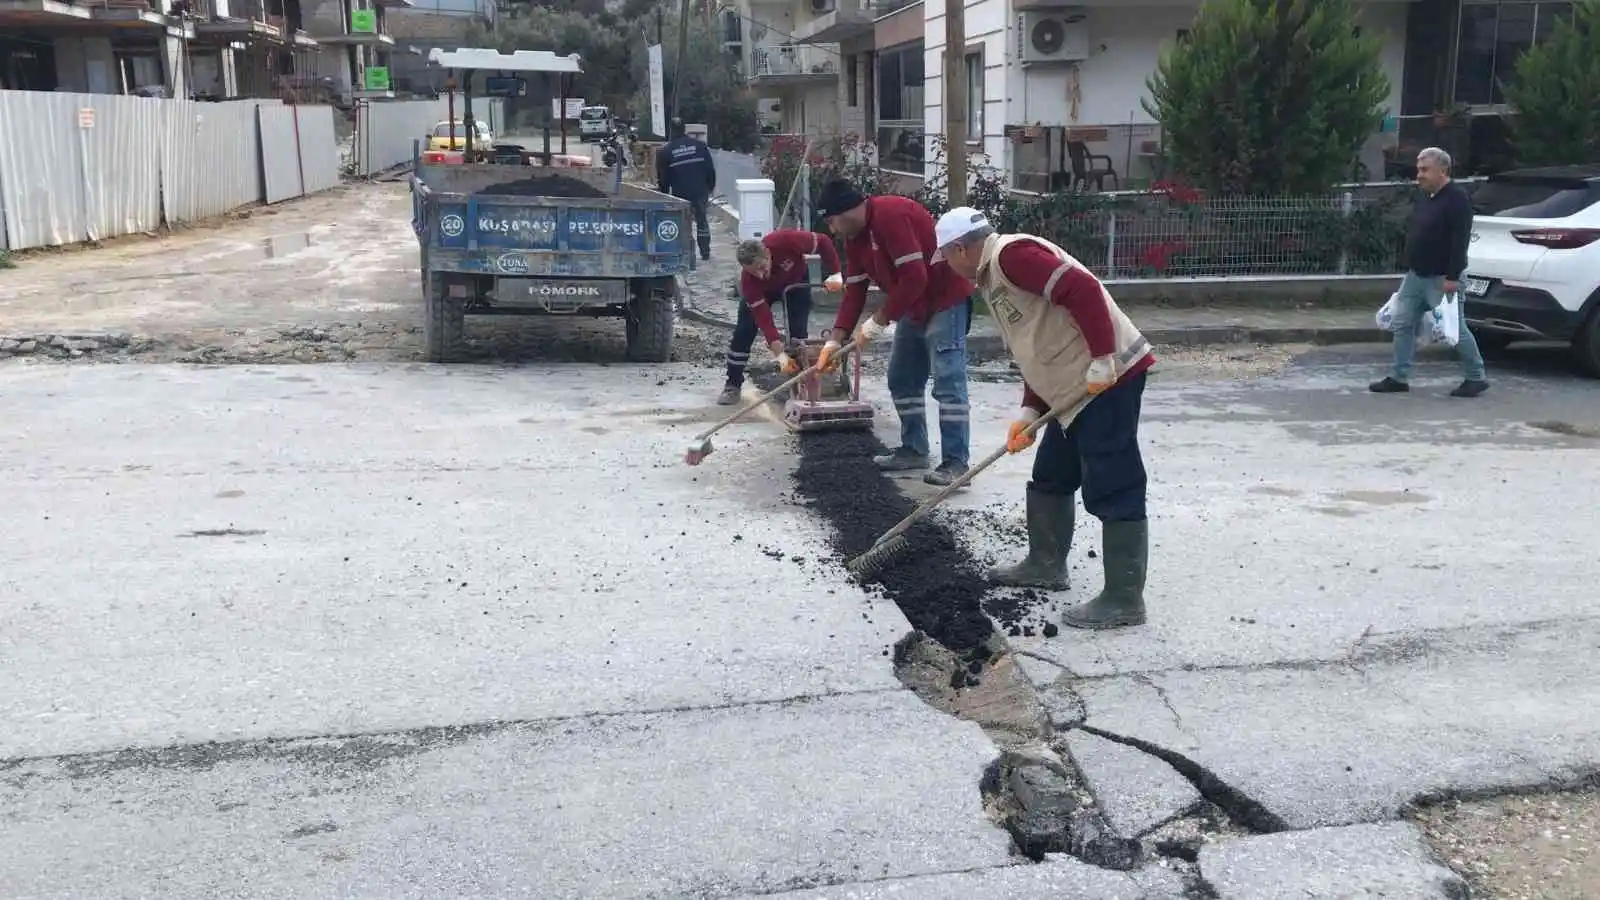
593 113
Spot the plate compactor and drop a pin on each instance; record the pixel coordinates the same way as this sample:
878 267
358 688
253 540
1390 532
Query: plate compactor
825 401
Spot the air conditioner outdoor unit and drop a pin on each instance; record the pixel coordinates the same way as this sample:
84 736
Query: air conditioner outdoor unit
822 6
1052 36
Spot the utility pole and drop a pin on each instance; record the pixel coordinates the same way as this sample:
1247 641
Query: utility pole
955 100
683 62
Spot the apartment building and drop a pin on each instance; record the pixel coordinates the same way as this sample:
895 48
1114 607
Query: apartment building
356 45
1048 80
207 49
790 60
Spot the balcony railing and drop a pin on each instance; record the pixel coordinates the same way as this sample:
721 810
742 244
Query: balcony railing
789 60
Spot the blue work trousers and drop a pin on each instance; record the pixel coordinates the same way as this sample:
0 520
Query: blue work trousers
936 348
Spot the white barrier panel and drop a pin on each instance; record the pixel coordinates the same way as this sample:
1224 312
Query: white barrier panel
319 149
210 158
280 152
41 177
76 167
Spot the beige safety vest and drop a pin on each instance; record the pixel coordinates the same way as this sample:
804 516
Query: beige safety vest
1043 338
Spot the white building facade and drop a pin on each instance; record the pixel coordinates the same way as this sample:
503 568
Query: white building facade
1044 76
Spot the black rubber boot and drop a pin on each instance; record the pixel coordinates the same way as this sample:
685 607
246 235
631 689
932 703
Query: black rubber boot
900 460
1050 521
1126 555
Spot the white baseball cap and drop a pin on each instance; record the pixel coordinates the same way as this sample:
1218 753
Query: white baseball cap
954 225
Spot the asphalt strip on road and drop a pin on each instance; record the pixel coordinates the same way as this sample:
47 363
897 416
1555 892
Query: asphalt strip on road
936 584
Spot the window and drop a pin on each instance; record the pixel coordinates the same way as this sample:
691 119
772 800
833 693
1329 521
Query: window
975 97
1493 35
852 78
900 110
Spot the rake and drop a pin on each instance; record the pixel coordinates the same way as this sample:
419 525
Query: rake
893 543
701 447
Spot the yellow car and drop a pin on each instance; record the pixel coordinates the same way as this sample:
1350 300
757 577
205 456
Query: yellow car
453 136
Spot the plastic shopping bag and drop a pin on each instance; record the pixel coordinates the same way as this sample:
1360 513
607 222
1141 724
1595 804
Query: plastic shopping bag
1386 313
1445 323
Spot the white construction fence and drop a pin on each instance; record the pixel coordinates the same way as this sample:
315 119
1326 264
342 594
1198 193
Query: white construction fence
386 130
83 167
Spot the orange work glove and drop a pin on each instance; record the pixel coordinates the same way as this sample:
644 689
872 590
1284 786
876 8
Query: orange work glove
786 363
1102 374
825 359
1018 438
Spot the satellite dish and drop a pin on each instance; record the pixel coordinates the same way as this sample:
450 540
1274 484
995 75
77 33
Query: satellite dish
1047 36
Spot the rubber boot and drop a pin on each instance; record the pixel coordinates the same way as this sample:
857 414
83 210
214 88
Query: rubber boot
1126 556
1050 521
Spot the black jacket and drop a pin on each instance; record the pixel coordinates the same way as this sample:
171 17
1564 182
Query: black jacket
684 168
1441 228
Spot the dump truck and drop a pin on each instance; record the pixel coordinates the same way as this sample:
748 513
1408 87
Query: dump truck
521 235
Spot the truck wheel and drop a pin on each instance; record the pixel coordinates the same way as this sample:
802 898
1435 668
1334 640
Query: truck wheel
650 319
1586 345
443 323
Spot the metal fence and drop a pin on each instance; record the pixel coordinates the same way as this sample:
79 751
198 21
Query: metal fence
84 167
1165 235
387 129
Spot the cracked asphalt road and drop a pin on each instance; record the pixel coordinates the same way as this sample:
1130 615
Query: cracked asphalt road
392 630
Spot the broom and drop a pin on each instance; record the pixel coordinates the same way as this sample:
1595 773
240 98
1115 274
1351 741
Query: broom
892 544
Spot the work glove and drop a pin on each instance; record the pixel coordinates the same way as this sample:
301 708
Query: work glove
786 363
825 359
1018 438
868 331
1102 374
834 283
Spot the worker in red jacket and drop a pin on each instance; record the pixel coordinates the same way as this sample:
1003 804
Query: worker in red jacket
1072 342
889 240
774 271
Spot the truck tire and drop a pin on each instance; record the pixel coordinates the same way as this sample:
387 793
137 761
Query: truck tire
443 323
1586 345
650 321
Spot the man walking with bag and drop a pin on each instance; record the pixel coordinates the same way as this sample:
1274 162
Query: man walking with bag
1435 256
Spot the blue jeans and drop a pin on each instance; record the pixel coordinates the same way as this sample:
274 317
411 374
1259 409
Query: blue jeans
1098 453
1419 293
937 347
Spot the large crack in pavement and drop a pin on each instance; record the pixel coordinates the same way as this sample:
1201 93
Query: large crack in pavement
957 661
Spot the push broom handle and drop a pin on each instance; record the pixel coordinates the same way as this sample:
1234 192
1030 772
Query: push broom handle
765 397
972 472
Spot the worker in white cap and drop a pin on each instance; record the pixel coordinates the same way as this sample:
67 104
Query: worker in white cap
1071 340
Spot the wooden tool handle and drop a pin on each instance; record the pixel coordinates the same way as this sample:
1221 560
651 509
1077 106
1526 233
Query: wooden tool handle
765 397
972 471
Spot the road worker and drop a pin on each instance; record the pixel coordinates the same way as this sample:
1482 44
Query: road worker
888 240
774 270
1071 341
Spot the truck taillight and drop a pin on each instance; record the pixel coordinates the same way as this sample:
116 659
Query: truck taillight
1558 238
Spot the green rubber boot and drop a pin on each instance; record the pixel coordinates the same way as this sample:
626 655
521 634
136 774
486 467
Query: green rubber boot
1126 556
1050 520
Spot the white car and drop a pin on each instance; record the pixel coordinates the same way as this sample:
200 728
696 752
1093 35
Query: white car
1533 266
594 122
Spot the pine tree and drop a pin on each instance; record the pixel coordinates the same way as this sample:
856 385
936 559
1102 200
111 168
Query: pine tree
1556 93
1269 96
